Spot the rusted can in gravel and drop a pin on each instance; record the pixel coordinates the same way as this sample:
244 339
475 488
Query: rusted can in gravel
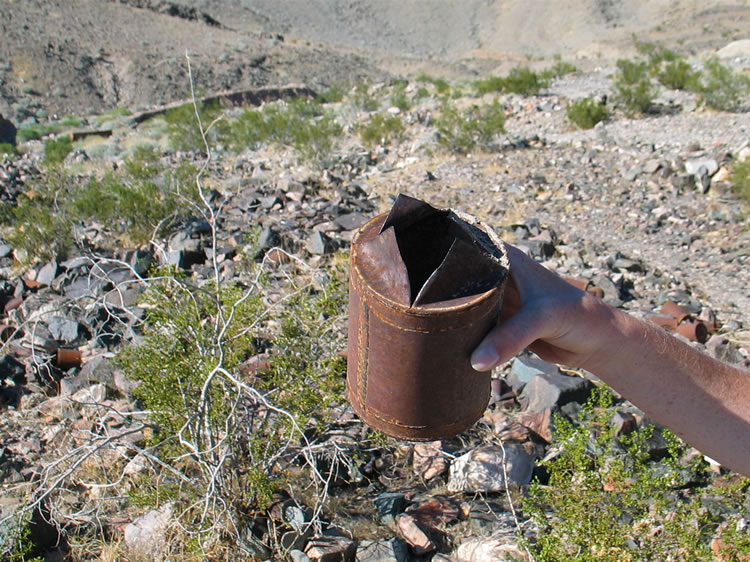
426 285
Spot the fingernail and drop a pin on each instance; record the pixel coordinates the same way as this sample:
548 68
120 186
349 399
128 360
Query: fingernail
484 357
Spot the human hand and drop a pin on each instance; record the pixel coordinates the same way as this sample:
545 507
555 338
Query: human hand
546 314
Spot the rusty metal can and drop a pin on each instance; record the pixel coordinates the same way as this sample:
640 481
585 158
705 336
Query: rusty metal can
420 301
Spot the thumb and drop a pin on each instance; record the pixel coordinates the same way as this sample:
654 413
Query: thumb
509 338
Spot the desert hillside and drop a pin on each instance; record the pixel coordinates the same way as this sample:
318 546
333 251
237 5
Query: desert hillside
181 186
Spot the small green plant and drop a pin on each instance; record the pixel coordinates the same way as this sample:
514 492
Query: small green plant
139 199
421 93
609 498
524 81
492 84
559 69
520 80
441 86
381 129
182 126
722 88
38 131
302 124
462 131
633 87
399 97
586 113
18 545
334 94
112 115
363 99
678 75
194 343
656 54
7 148
55 150
741 180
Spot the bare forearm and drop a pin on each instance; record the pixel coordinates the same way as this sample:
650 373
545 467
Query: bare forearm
704 401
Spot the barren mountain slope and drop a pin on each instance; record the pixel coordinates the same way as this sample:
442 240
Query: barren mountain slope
456 30
80 56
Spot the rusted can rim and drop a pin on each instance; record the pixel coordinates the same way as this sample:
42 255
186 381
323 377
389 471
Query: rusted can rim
425 311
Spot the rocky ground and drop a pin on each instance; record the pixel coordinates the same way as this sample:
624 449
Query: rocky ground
639 208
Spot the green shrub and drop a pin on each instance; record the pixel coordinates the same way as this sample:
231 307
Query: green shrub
721 88
334 94
302 124
363 99
559 69
492 84
678 75
633 87
441 86
586 113
6 148
133 202
188 364
182 126
741 180
608 499
520 80
656 54
462 131
421 93
112 115
399 97
55 150
381 129
38 131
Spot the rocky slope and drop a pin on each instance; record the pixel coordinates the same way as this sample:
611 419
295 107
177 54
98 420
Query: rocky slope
639 208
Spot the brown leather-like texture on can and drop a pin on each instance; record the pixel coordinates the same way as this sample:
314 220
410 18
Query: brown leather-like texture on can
409 372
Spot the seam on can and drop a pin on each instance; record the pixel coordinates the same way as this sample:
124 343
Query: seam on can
363 342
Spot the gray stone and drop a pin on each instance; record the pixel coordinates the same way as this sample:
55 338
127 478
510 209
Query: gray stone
99 369
624 423
550 391
268 239
184 241
297 518
173 257
64 330
389 505
481 470
70 385
651 166
384 550
146 535
139 260
299 556
610 290
350 221
696 166
5 250
47 273
525 368
318 244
